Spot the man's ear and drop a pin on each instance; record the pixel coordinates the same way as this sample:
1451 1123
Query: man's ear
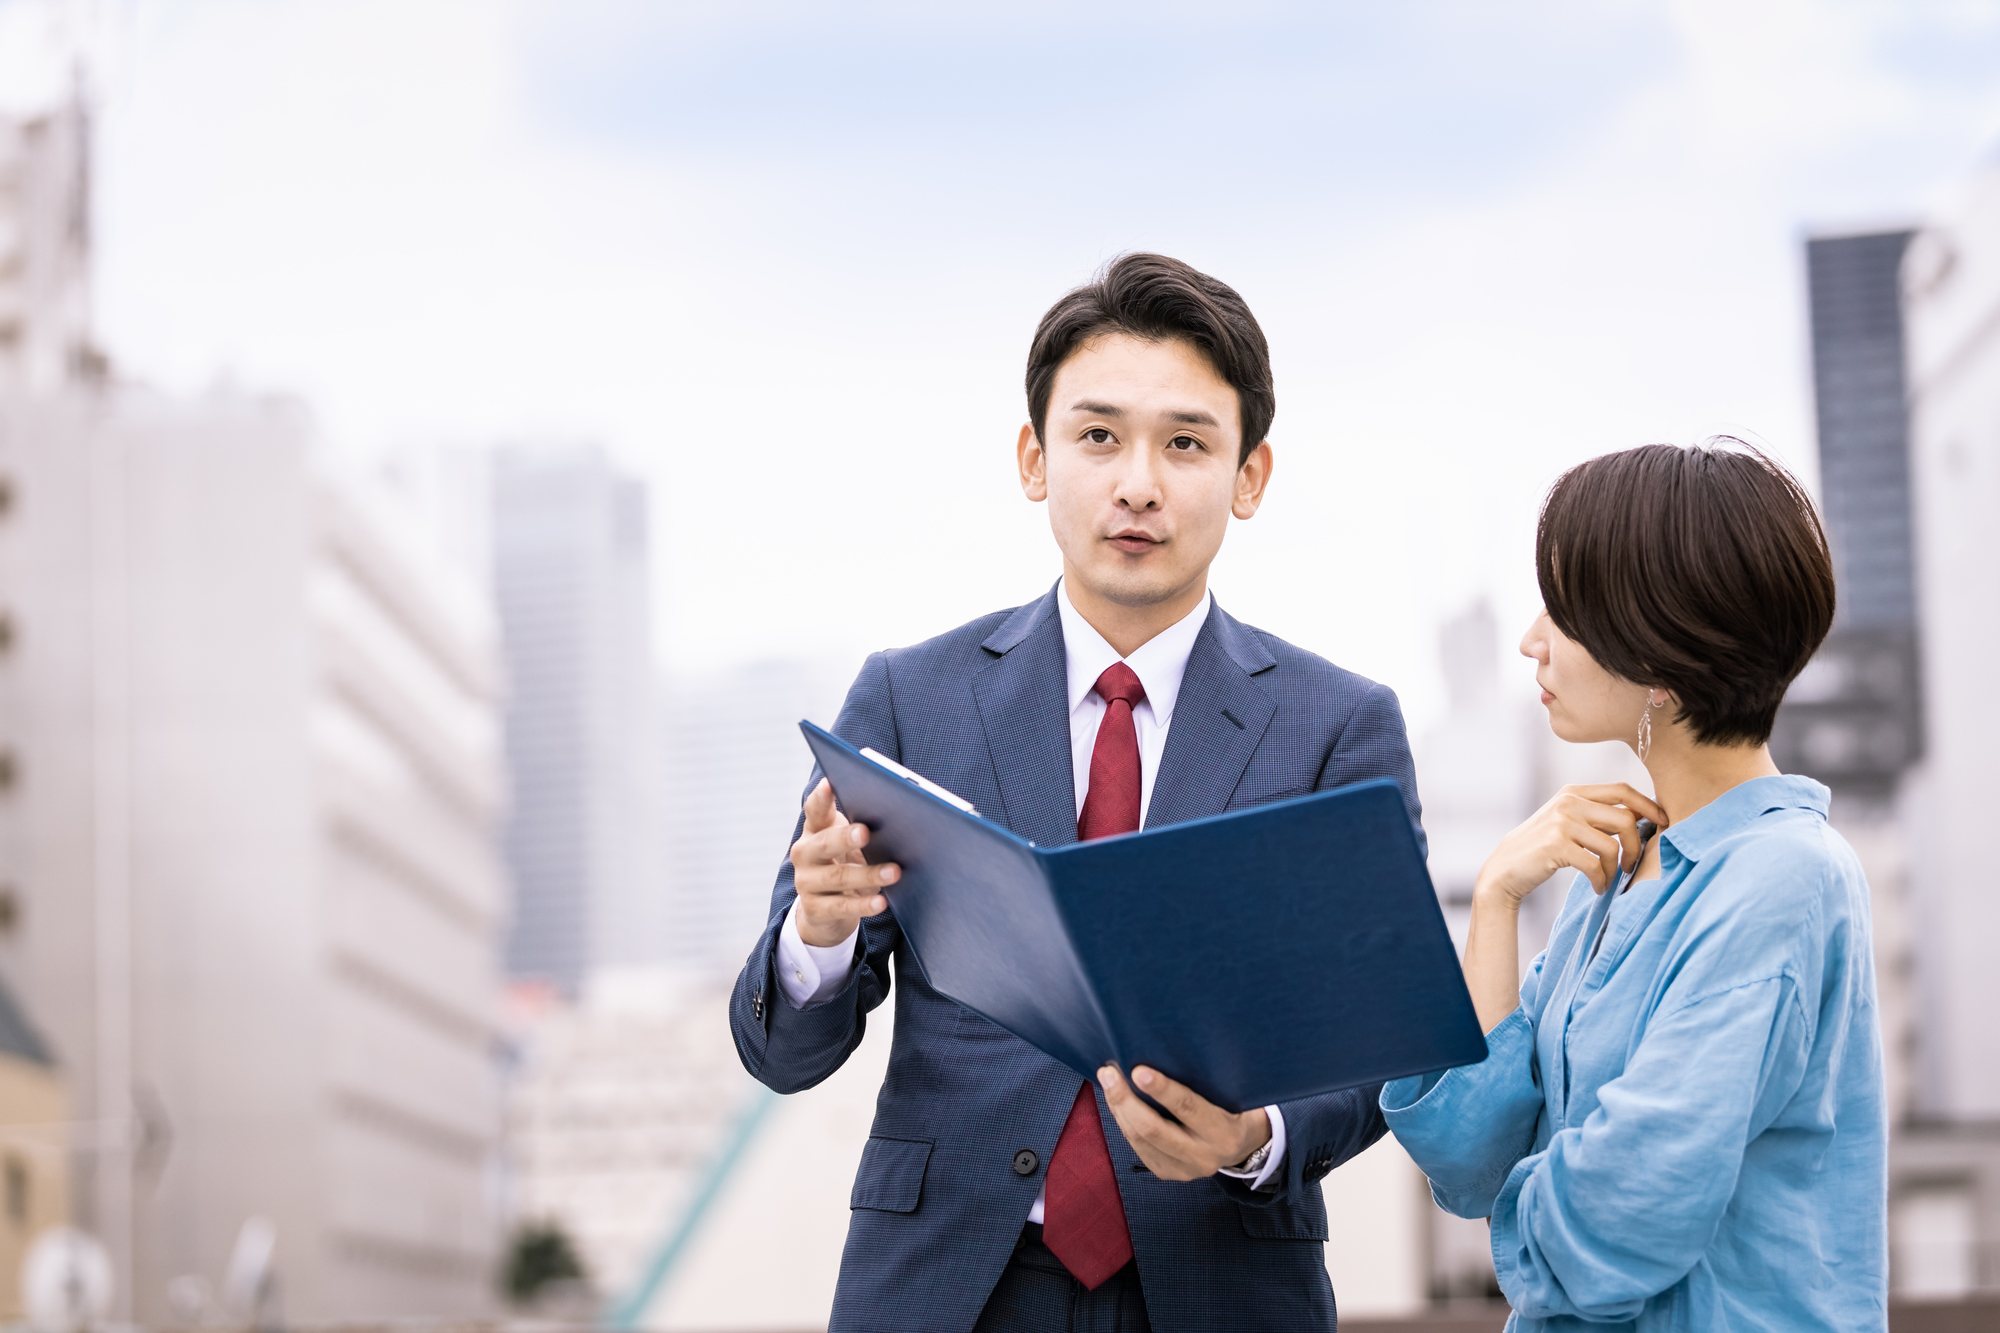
1034 464
1251 479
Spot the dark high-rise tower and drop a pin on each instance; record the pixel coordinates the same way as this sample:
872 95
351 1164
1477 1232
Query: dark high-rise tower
1851 719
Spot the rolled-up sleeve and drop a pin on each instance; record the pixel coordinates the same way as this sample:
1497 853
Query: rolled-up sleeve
1577 1230
1467 1128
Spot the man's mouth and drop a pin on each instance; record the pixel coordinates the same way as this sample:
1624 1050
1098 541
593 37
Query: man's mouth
1133 541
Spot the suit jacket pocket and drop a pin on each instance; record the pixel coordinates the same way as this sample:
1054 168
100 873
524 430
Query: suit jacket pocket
1286 1219
891 1178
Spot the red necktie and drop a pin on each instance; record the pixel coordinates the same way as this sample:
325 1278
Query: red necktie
1083 1219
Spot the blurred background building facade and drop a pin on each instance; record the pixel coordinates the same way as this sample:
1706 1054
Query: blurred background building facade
45 250
734 768
250 781
34 1146
1947 1155
257 778
572 579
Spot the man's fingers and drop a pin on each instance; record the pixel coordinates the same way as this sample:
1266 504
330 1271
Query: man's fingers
846 877
1156 1139
839 844
842 907
1189 1107
820 811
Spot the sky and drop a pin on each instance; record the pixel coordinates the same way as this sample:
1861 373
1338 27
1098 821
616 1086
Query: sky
783 260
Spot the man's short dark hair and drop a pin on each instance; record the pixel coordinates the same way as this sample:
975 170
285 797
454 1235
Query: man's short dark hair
1157 298
1702 571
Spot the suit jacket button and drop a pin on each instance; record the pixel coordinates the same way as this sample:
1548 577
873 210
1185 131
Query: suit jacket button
1025 1162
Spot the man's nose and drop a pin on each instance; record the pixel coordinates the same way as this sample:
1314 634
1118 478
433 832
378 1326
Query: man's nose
1138 487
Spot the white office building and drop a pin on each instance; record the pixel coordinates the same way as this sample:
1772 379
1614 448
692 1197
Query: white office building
1947 1164
248 806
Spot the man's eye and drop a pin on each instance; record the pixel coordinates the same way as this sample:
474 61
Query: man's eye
1184 443
1097 435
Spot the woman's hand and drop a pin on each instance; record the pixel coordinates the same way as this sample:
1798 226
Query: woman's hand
1592 829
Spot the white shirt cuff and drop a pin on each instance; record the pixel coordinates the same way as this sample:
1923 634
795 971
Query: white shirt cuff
809 974
1274 1162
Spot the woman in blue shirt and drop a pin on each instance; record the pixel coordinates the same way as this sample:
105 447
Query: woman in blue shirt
1680 1120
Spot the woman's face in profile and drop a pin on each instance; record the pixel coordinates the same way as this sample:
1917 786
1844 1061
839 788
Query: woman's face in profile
1586 703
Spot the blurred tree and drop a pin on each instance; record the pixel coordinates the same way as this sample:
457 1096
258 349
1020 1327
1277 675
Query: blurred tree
539 1255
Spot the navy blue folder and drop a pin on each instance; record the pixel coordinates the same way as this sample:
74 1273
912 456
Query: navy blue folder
1258 956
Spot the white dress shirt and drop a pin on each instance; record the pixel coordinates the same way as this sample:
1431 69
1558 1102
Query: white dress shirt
811 974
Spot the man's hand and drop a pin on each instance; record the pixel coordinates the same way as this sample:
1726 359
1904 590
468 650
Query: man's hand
1207 1138
836 886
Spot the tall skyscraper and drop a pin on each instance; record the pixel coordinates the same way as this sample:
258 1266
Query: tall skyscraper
1853 718
570 568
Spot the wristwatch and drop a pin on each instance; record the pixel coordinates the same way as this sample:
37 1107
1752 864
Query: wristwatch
1254 1163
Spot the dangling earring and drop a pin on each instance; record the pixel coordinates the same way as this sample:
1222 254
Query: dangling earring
1646 727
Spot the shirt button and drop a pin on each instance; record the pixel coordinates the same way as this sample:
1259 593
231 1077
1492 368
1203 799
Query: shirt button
800 973
1025 1162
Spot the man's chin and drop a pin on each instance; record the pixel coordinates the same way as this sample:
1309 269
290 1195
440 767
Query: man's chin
1138 593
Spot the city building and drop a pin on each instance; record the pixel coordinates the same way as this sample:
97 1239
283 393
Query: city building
571 577
619 1103
1487 764
1946 1158
1889 713
1854 718
734 769
45 251
250 784
34 1146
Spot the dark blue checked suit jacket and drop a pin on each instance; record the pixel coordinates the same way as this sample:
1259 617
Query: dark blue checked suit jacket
937 1204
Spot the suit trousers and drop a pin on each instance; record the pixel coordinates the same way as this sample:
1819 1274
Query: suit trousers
1036 1294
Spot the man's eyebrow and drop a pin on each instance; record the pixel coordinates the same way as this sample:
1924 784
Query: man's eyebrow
1185 418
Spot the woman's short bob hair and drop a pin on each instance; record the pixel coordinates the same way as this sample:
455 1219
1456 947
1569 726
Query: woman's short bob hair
1702 571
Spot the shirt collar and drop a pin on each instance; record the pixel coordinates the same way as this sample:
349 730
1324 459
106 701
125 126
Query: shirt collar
1159 663
1734 810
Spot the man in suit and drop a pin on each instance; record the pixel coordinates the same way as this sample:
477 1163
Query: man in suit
998 1190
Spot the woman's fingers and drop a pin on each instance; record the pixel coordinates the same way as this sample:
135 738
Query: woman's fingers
1617 823
1625 794
1579 857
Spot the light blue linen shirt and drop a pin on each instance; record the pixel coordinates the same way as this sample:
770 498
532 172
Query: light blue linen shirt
1684 1127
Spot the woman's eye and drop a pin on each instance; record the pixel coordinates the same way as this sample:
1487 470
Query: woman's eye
1097 435
1184 443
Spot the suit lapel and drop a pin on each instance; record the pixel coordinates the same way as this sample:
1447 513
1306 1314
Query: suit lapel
1023 700
1219 720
